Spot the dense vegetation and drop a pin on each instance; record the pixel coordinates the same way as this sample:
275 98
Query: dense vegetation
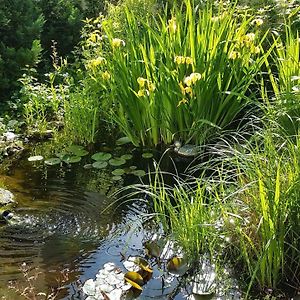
221 75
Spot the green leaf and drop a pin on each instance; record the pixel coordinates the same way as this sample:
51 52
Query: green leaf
52 161
74 148
101 156
127 156
81 152
100 164
147 155
118 172
139 173
116 178
71 159
35 158
123 140
117 161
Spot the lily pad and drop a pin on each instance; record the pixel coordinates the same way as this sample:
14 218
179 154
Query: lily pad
177 265
74 148
139 173
118 161
116 178
35 158
127 156
135 279
123 140
100 164
152 248
71 159
133 167
101 156
80 152
88 166
118 172
61 155
147 155
52 161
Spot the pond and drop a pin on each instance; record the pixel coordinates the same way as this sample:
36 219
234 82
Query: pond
69 225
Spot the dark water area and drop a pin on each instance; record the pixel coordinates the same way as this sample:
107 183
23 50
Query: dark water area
68 226
70 222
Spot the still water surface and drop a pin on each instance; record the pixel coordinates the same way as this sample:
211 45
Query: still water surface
69 224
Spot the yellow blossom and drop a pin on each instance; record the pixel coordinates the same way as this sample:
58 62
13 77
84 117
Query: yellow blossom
195 77
249 37
93 63
255 50
141 93
182 101
105 75
234 55
188 81
179 60
182 88
172 26
151 86
257 22
188 60
189 90
141 81
117 43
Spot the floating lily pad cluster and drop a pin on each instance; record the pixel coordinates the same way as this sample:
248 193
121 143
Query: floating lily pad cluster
70 155
101 160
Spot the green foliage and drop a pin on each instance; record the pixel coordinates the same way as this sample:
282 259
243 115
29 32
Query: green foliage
63 25
188 76
42 103
282 102
267 198
21 24
187 215
81 117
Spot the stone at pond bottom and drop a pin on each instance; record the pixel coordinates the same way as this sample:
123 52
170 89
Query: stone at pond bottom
6 197
109 282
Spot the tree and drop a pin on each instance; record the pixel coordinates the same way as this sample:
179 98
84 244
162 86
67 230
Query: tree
21 24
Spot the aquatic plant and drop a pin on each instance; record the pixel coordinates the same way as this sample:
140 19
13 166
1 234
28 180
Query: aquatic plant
282 100
188 76
267 198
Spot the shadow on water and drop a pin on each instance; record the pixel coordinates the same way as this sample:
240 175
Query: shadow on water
64 223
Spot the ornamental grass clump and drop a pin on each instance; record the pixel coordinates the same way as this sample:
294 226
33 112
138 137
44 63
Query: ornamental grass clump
282 101
189 75
267 200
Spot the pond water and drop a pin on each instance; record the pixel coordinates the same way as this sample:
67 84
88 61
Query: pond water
70 223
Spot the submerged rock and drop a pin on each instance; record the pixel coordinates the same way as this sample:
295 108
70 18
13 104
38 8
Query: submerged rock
187 150
6 197
7 202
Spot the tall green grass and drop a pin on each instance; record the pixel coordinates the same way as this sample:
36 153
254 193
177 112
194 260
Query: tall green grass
250 205
282 102
187 76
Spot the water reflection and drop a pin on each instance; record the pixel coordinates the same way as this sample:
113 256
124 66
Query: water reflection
62 223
